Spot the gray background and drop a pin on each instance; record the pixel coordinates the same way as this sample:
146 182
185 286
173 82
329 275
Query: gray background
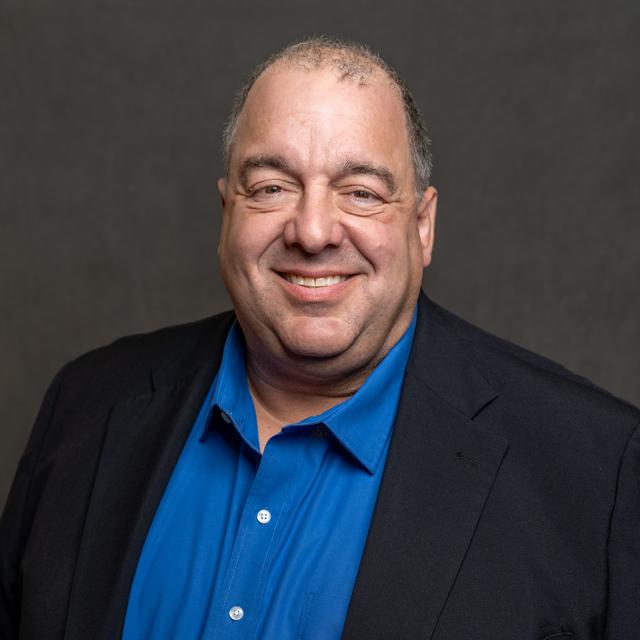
110 116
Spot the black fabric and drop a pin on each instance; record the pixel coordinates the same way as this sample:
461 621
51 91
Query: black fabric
509 506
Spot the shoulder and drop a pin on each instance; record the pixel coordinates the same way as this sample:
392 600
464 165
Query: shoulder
532 386
567 438
127 365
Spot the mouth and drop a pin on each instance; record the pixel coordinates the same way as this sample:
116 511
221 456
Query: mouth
313 283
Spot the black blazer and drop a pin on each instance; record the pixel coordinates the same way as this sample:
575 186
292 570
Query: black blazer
509 507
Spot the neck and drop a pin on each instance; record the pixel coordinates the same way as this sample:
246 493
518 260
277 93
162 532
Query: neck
284 397
280 402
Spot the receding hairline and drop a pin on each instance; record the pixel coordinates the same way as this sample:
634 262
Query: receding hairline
364 74
350 61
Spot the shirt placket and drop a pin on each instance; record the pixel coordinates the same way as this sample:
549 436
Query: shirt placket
235 608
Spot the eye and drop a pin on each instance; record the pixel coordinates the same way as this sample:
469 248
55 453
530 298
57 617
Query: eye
365 196
267 190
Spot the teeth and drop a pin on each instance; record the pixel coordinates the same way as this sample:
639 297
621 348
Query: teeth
324 281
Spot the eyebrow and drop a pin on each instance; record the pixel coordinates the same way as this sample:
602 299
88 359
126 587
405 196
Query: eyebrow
354 167
348 168
260 162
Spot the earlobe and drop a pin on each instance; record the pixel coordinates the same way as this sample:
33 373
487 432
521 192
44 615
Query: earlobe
427 223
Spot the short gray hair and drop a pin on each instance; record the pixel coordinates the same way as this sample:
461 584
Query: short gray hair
353 61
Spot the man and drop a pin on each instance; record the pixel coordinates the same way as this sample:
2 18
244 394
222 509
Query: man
340 457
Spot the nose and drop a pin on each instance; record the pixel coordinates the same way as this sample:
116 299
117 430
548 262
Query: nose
315 225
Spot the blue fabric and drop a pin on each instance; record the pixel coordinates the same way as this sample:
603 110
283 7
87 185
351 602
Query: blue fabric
206 551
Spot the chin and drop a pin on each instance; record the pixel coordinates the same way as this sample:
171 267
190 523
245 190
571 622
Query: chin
319 338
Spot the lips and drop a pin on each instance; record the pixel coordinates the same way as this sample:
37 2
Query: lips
316 282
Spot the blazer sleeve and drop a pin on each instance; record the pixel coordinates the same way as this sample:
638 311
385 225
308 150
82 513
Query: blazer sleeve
14 521
623 613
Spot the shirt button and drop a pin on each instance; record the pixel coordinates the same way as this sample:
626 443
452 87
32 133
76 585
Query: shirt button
263 516
236 613
225 417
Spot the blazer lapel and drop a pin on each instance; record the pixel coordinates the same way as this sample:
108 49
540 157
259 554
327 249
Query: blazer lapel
438 475
143 440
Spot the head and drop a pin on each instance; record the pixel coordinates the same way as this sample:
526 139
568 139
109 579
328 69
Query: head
328 216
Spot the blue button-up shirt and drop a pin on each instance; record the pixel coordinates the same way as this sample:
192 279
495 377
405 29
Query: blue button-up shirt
250 545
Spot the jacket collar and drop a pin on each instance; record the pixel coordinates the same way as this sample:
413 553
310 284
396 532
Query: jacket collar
441 361
178 361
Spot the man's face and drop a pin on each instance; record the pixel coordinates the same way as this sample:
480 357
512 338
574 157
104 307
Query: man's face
323 240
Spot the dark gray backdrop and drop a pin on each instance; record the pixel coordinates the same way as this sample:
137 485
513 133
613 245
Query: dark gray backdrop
110 115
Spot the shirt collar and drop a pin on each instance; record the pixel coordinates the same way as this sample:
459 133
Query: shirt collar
230 393
362 423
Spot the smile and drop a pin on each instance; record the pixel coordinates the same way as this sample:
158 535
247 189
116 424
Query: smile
314 283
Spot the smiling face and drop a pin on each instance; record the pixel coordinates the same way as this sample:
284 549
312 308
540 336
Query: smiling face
323 240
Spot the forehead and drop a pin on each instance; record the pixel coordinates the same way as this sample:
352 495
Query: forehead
315 114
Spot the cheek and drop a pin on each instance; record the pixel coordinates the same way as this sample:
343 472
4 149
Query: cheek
245 238
370 236
389 247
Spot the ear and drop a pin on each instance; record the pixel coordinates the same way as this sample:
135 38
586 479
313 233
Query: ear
222 185
427 223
